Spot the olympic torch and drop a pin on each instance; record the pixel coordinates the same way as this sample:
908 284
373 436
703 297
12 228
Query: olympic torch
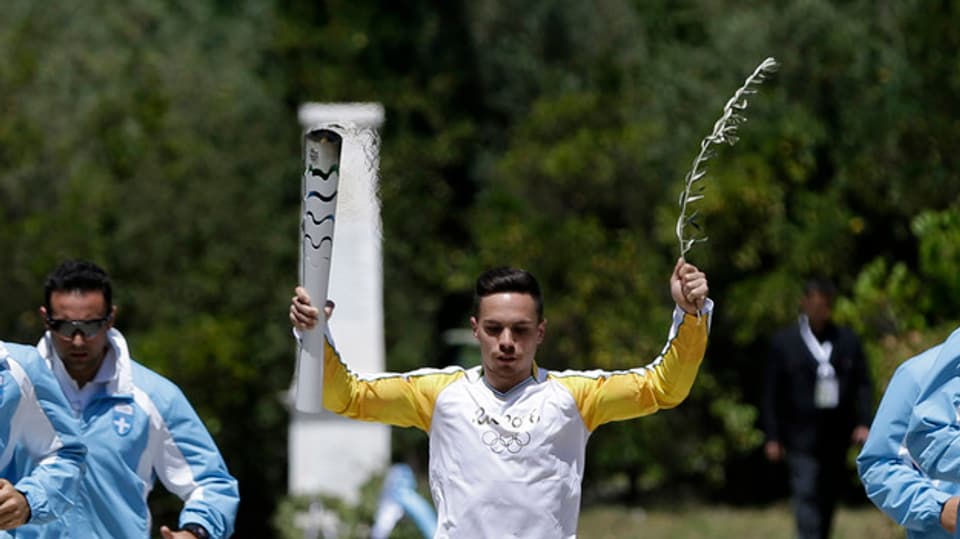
321 176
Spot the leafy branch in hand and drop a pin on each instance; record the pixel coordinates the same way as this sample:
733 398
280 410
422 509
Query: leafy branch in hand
724 131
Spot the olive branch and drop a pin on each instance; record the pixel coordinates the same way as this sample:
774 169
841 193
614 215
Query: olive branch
724 130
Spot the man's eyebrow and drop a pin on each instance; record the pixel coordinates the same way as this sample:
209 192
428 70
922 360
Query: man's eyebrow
491 321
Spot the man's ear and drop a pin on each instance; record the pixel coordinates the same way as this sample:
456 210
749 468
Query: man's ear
541 330
113 317
475 326
44 317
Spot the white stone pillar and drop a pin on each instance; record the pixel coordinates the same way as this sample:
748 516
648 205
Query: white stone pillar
329 454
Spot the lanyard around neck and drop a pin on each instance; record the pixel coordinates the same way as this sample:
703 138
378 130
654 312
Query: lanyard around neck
819 350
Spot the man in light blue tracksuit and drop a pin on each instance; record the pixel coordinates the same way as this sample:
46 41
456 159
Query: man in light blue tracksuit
933 433
926 507
33 417
137 425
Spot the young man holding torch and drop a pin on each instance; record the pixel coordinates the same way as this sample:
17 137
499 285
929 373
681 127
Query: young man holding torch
508 438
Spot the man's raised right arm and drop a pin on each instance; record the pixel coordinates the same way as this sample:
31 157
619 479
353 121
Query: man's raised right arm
400 399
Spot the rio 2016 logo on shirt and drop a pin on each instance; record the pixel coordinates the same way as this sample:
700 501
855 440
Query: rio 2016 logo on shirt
481 417
122 419
498 438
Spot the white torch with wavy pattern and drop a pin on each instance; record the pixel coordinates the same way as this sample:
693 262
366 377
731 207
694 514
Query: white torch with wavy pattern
321 178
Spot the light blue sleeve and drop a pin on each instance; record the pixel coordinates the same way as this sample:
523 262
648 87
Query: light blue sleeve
933 435
400 488
191 466
891 480
50 436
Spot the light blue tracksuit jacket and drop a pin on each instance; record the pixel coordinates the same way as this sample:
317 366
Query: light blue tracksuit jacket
933 435
33 417
890 476
139 429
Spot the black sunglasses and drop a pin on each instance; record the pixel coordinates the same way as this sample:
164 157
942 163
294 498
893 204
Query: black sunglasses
68 328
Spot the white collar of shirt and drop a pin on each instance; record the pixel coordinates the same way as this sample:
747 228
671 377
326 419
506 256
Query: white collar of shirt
121 382
80 397
819 350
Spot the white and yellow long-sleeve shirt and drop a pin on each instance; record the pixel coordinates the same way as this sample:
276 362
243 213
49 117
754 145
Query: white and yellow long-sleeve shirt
510 464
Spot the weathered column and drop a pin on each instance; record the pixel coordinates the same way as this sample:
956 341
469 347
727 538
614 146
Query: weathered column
329 454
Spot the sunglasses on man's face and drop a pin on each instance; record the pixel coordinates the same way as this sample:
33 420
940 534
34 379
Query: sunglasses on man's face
68 328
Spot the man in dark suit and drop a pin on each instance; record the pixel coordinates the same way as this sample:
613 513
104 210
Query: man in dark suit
817 401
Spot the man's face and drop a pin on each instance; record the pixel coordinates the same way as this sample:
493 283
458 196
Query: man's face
508 331
81 355
818 308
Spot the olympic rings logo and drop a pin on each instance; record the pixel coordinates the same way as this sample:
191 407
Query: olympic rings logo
499 442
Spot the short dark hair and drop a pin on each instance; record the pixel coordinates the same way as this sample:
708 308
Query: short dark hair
505 279
78 275
821 285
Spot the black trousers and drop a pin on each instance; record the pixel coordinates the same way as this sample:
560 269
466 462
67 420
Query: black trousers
815 483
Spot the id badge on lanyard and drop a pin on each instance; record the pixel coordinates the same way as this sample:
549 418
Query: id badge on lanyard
826 394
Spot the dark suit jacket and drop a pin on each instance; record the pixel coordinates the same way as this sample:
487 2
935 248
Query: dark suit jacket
788 413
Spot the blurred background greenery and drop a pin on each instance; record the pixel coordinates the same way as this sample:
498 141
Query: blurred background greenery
159 138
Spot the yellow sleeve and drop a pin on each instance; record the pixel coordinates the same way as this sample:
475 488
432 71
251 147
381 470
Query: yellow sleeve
605 396
404 400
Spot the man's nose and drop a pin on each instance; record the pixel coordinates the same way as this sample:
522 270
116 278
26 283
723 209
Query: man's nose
77 339
506 338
